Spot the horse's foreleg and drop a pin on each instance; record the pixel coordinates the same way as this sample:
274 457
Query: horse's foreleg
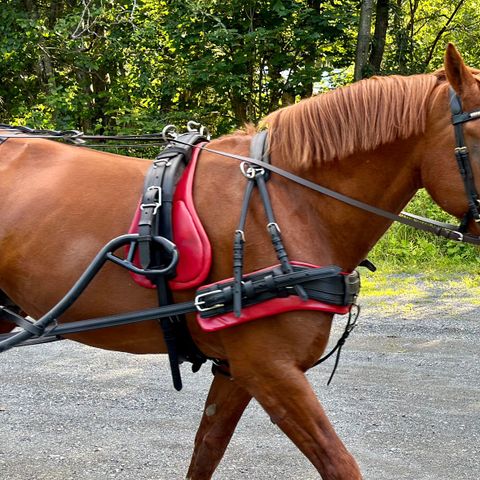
290 401
225 405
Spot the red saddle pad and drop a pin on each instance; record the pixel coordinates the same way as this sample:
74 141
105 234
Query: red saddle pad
189 235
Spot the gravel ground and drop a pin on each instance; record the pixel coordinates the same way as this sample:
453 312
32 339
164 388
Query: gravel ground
406 401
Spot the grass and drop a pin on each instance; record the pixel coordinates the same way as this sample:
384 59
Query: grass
414 285
404 249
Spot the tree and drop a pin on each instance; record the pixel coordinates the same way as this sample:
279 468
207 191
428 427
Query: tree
130 66
379 37
104 65
363 41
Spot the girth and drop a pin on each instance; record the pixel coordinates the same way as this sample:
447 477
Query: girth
323 284
156 220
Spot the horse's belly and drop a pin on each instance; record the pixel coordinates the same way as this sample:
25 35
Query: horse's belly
142 338
6 327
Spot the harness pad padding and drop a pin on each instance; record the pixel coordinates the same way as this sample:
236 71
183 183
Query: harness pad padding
195 252
188 234
267 308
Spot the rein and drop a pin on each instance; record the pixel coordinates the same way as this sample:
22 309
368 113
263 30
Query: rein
78 138
440 229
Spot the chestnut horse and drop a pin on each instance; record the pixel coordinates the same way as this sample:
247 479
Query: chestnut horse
378 141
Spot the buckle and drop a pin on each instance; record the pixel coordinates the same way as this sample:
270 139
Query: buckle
458 236
200 301
159 161
155 205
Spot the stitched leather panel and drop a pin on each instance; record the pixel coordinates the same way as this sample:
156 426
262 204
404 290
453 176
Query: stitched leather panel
188 234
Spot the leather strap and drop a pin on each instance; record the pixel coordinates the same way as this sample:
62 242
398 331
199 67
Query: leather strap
459 117
323 284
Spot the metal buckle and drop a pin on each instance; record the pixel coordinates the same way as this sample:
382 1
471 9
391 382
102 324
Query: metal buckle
274 225
459 236
199 301
155 205
159 161
242 234
158 189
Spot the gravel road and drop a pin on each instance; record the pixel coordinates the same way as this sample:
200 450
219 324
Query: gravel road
406 401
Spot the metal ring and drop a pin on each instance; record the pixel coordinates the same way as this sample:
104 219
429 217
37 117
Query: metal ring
169 132
247 170
193 126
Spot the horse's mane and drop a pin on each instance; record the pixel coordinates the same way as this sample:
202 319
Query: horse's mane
359 117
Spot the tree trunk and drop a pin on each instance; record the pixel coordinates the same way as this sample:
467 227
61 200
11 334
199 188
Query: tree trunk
378 43
239 107
363 40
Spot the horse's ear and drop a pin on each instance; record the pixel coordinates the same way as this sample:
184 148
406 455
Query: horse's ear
458 75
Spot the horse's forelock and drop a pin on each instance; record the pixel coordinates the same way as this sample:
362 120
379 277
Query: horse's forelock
359 117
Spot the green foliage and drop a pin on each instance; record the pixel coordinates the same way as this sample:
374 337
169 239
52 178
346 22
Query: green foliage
110 66
419 32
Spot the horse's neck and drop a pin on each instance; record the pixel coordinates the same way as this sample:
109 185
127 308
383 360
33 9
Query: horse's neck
332 232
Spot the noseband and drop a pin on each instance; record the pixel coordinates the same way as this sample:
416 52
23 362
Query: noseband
459 117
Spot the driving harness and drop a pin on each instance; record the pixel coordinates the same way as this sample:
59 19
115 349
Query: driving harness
282 288
245 297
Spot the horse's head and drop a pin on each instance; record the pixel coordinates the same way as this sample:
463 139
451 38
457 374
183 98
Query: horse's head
450 168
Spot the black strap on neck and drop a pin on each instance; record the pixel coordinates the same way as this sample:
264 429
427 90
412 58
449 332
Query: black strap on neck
257 177
238 246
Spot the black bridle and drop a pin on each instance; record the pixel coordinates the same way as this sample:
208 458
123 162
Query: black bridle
459 117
